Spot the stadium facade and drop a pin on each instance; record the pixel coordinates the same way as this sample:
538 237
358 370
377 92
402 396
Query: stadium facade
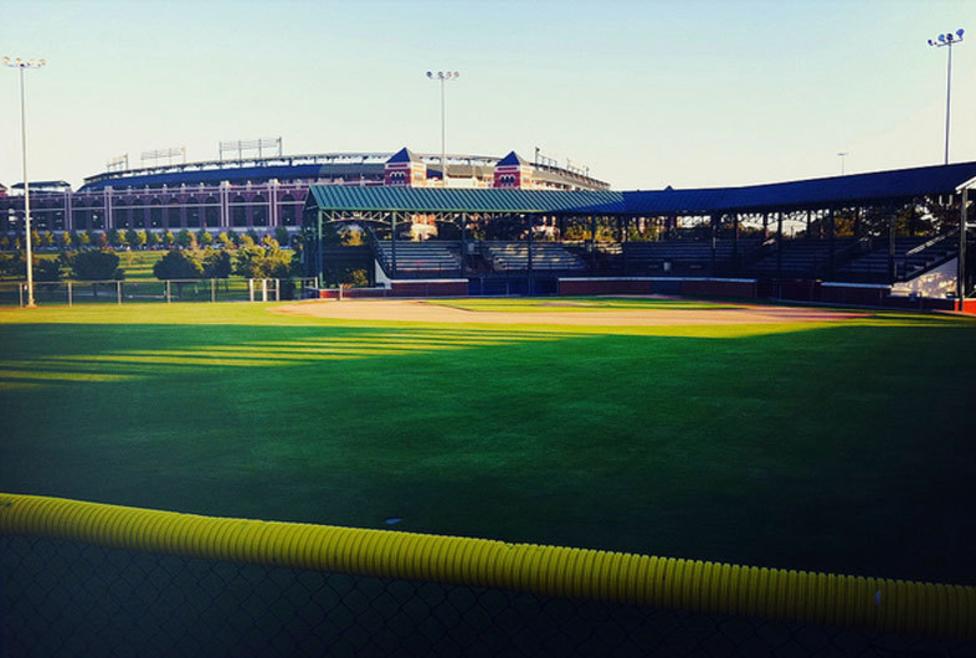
259 193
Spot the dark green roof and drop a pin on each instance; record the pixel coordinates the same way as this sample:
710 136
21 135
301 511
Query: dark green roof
336 197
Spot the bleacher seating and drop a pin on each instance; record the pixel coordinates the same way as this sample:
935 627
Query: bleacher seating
803 258
514 257
684 256
873 265
431 257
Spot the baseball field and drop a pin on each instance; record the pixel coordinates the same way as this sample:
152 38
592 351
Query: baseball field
780 436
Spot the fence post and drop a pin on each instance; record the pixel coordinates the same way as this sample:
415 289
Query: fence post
277 290
20 294
169 296
118 291
70 296
264 290
250 290
213 290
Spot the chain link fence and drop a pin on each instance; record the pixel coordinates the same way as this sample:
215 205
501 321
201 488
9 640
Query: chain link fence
67 598
14 293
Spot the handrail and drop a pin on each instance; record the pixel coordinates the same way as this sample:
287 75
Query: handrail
931 243
879 604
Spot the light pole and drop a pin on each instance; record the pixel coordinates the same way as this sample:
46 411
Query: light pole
948 40
443 77
22 64
843 158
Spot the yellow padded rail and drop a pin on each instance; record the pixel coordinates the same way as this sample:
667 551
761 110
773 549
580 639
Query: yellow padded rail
947 611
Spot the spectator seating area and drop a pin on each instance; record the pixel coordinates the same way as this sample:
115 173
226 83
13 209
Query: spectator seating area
804 258
683 256
514 257
912 257
432 257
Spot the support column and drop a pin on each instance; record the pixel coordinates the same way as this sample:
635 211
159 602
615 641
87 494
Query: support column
713 220
735 243
464 243
807 235
963 229
319 250
765 226
779 250
831 236
393 232
892 220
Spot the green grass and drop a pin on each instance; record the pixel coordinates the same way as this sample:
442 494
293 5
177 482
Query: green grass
844 447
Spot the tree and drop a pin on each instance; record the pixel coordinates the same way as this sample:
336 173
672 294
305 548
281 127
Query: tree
178 264
66 241
169 239
217 263
95 265
225 241
35 237
84 239
141 239
47 239
47 269
263 261
185 239
205 238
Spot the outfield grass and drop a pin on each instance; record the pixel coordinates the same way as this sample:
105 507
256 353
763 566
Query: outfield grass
839 447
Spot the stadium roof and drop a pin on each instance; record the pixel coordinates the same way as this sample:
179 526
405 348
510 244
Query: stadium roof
898 184
404 155
511 160
391 199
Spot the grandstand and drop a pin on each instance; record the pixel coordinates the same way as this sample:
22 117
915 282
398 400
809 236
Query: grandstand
818 233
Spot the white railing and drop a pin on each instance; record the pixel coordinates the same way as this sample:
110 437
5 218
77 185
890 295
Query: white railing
161 291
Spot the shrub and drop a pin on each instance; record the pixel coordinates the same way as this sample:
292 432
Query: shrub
217 263
95 265
179 264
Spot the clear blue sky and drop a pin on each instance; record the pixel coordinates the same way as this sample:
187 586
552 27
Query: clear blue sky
646 94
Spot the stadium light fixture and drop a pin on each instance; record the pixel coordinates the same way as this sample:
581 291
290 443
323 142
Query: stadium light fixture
843 157
23 64
443 77
948 40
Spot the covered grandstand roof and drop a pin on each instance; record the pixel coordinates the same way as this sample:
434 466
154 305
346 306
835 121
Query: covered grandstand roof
899 184
333 197
810 193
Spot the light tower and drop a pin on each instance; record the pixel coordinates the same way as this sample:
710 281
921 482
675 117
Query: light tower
23 64
948 40
443 77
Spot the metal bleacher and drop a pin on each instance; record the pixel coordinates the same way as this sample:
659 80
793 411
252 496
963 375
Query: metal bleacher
430 258
683 256
514 257
912 256
804 258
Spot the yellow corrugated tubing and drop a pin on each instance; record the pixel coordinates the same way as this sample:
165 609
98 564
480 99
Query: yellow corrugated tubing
947 611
